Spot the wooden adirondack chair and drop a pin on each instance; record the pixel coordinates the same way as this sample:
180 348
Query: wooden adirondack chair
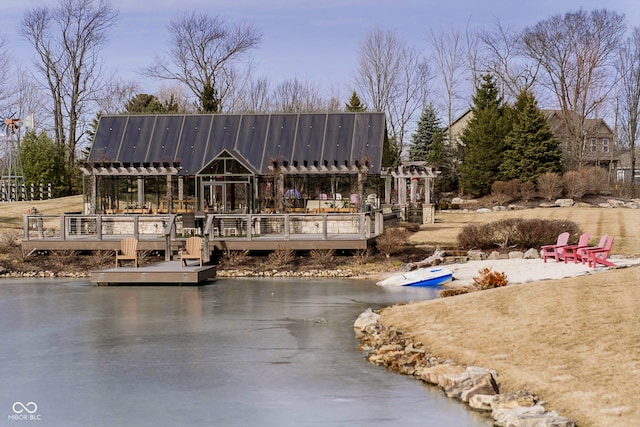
128 251
556 251
582 253
192 250
571 252
599 255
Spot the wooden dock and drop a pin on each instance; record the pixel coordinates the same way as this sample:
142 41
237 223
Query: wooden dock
163 273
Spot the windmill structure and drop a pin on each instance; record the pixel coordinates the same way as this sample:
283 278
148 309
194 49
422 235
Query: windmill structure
12 185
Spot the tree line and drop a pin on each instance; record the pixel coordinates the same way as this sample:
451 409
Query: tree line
583 62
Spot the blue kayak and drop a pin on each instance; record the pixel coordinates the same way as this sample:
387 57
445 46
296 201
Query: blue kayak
432 276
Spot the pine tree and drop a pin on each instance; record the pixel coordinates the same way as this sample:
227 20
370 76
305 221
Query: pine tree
483 140
355 105
531 148
208 101
390 153
429 130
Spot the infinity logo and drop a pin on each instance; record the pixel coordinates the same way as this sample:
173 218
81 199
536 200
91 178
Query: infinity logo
20 407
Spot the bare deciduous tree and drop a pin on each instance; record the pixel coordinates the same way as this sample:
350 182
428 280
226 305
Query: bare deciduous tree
392 78
254 97
629 96
5 73
504 60
203 52
576 52
294 96
116 94
29 99
67 39
448 56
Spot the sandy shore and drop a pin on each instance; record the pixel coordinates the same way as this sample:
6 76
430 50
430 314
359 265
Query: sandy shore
521 270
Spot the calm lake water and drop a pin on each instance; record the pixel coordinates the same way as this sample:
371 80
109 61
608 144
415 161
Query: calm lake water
237 352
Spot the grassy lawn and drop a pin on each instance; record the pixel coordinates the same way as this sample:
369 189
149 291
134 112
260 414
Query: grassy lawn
622 223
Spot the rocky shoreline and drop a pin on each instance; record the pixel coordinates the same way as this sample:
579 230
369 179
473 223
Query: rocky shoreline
475 386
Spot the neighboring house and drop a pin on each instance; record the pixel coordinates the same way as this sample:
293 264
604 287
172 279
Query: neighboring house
623 173
232 163
454 132
598 147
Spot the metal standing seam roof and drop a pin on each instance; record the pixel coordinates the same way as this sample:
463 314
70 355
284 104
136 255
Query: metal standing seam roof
258 140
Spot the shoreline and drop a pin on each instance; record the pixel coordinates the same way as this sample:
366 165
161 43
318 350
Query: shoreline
476 387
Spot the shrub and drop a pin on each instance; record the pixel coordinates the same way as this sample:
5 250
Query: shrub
281 256
321 256
475 236
550 185
515 233
490 279
234 258
595 179
361 256
102 257
574 184
500 192
527 190
391 241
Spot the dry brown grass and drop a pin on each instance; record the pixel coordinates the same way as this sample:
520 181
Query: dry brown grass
574 342
623 223
11 212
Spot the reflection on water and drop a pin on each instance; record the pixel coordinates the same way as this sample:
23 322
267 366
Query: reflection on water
238 352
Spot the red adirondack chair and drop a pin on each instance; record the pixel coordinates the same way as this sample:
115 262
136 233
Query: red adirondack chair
571 252
556 251
582 253
599 255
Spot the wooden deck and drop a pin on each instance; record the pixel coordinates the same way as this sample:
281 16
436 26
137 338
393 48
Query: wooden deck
348 231
164 273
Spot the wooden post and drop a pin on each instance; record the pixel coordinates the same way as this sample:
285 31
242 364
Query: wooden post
169 196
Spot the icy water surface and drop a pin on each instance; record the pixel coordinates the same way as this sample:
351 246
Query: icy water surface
237 352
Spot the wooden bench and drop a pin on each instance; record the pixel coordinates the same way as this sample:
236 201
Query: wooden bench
192 250
128 251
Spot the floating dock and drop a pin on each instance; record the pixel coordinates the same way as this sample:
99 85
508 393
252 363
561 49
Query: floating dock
163 273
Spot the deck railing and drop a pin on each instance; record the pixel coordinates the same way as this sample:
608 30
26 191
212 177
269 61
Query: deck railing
290 226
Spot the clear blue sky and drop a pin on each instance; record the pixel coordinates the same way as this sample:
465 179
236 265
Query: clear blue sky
315 40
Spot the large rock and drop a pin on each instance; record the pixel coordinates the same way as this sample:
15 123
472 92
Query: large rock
514 400
616 203
534 416
476 255
564 203
435 374
473 380
482 402
532 254
516 255
484 210
367 318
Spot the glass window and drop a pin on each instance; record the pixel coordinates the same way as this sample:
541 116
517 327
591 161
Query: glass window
605 145
594 145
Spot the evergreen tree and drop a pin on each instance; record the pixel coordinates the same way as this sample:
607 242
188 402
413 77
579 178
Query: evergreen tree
483 140
355 105
144 103
44 162
429 130
208 102
390 153
531 148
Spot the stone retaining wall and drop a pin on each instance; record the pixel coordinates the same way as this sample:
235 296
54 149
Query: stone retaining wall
475 386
